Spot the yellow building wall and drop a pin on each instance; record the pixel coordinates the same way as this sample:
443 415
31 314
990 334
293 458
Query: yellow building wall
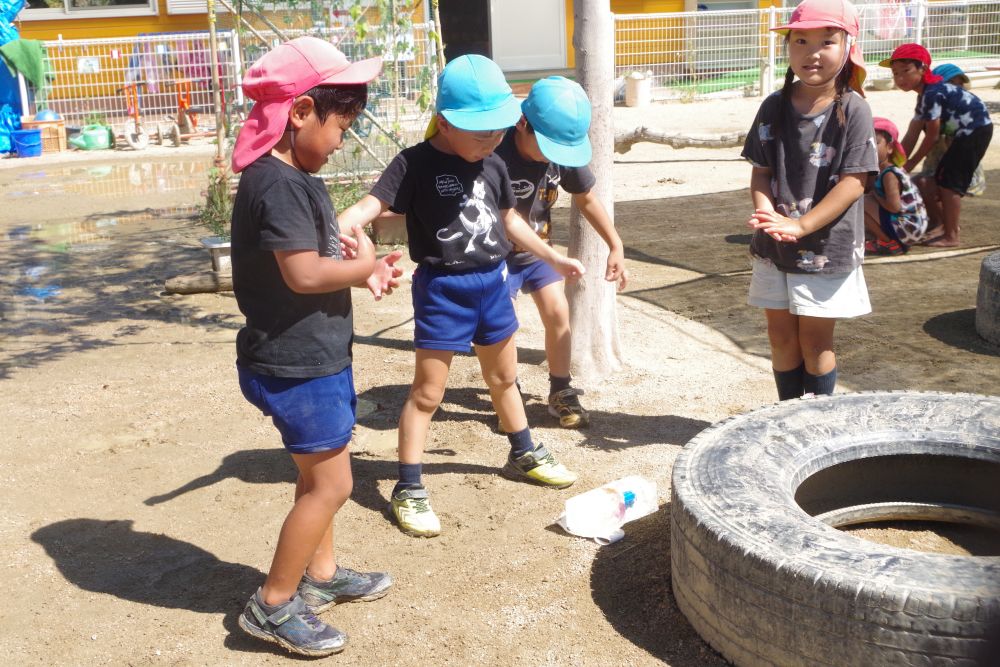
633 7
122 26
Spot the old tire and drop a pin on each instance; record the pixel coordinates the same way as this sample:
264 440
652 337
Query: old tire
765 581
988 299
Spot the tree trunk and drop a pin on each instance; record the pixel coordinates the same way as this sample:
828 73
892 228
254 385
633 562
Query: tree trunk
593 318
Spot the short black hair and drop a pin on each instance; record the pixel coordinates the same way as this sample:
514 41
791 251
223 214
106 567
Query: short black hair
885 135
916 63
346 100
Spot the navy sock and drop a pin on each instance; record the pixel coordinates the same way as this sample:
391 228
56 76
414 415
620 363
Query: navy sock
819 384
790 383
409 476
558 384
520 443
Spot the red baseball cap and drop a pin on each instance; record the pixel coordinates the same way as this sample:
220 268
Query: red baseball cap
887 126
839 14
281 75
912 51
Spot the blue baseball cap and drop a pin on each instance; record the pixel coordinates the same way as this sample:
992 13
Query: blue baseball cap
948 72
559 112
473 95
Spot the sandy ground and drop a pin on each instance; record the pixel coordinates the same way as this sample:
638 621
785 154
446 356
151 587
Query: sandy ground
142 494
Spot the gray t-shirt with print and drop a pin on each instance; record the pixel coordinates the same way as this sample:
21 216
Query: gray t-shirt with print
806 162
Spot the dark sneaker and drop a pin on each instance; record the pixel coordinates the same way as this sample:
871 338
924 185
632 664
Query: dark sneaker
539 467
565 405
293 626
346 586
891 248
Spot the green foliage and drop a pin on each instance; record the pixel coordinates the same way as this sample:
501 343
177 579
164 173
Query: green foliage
346 193
217 213
96 118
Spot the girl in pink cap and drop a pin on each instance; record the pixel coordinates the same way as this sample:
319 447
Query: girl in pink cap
812 150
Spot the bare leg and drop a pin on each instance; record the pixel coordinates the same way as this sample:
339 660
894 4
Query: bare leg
872 224
429 379
554 311
951 205
931 195
816 342
499 365
783 332
326 484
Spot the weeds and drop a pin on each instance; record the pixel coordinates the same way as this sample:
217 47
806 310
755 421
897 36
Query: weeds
217 212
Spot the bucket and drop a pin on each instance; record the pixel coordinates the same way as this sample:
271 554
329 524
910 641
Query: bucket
638 89
27 143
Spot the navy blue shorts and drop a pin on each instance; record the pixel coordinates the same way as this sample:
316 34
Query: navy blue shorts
531 277
452 310
312 414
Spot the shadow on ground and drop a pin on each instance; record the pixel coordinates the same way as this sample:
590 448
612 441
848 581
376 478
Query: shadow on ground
920 334
630 582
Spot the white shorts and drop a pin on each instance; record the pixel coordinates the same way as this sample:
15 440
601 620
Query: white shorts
835 295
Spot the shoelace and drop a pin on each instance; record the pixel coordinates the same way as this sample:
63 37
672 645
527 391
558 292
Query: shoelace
310 619
420 505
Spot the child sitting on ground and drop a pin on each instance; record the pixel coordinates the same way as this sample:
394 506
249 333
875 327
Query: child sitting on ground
942 108
459 208
924 179
549 148
894 212
292 274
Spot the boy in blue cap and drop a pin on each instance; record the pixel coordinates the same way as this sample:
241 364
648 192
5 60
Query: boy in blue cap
547 148
459 209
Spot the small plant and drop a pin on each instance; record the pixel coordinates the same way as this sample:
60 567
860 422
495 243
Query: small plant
217 212
347 192
96 118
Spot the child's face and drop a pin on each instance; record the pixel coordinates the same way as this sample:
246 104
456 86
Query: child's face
314 140
816 55
882 148
906 74
470 145
527 143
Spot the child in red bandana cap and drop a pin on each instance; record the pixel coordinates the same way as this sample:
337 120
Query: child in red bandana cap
941 108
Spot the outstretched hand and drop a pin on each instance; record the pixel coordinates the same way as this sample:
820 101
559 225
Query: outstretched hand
386 275
571 269
616 271
777 226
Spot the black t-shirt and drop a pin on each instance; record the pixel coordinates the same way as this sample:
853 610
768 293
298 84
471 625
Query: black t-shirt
287 334
452 207
536 187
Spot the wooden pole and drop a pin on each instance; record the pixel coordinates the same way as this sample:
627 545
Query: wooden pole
213 54
596 349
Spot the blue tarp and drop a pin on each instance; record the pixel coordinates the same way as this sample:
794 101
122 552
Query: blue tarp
10 97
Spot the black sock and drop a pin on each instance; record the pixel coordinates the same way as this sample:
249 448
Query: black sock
819 384
520 443
558 384
790 383
409 476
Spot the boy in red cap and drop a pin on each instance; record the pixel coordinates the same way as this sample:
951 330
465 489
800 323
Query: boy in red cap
942 108
812 151
292 274
894 212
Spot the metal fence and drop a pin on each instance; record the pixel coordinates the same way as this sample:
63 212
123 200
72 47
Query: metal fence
94 79
730 53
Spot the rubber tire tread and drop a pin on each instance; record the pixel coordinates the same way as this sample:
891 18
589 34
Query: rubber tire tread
988 299
764 583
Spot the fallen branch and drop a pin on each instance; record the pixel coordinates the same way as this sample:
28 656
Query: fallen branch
624 140
197 283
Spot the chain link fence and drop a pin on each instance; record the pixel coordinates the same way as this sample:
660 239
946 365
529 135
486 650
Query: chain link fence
728 53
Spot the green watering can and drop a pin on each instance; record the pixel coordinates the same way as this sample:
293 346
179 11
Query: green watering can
92 138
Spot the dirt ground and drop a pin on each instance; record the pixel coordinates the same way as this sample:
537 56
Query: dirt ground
142 495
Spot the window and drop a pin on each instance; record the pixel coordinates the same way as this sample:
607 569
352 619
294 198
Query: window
47 10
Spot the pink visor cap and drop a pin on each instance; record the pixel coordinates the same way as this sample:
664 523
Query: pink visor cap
281 75
838 14
898 152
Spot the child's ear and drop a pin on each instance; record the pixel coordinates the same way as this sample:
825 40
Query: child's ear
301 108
522 124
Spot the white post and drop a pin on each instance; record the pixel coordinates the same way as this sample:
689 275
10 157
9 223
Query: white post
772 44
596 349
23 90
921 15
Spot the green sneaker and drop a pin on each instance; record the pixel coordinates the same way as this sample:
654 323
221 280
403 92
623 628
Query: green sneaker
412 509
346 586
291 625
539 467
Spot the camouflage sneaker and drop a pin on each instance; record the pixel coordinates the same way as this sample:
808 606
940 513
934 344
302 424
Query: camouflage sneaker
346 586
412 509
565 405
539 467
293 626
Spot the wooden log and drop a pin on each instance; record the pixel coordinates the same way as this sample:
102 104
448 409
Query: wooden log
197 283
625 140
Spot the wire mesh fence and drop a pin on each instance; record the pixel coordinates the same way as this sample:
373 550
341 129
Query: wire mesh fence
727 53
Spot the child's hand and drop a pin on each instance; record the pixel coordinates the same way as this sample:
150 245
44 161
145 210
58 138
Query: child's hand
365 249
386 275
777 226
570 268
616 271
348 247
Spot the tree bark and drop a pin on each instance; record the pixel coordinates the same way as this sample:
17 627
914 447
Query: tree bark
196 283
596 351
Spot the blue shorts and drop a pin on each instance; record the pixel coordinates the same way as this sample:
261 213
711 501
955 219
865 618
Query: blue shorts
452 310
312 414
531 277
